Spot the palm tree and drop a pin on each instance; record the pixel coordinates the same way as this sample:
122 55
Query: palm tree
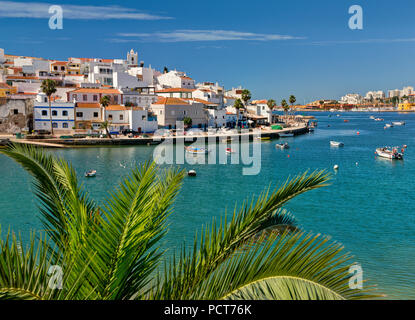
285 106
48 87
105 126
238 105
292 100
105 102
112 251
271 104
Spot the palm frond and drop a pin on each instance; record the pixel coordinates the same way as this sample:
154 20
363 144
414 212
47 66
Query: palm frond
63 204
133 222
26 273
292 266
219 242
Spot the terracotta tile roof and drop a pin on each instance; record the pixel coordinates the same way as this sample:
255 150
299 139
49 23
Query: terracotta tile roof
60 63
96 90
171 101
259 101
116 107
88 105
175 90
186 78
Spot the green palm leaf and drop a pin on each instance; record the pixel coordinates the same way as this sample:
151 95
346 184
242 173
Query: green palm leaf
218 243
286 267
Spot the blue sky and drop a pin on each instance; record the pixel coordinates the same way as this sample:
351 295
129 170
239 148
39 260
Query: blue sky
275 48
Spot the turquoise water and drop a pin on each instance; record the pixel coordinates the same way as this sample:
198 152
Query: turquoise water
369 207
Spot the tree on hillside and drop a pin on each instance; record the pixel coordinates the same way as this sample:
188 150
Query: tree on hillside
48 87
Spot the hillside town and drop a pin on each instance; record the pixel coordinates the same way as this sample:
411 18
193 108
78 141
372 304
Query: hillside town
124 93
89 95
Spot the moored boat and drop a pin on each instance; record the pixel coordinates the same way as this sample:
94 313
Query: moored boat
194 150
336 144
263 138
90 173
282 145
389 125
229 151
398 123
389 153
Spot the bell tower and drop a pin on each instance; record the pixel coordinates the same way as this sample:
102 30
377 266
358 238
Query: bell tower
132 57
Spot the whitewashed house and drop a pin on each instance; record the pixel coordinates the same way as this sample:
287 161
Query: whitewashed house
182 93
175 79
140 97
217 118
63 115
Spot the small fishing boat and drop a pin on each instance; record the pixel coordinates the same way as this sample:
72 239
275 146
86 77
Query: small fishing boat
194 150
263 138
286 134
389 125
90 173
398 123
229 151
336 144
191 173
389 153
372 117
282 145
379 119
345 120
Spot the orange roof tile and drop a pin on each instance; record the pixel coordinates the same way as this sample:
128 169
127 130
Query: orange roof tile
88 105
60 63
171 101
96 90
116 107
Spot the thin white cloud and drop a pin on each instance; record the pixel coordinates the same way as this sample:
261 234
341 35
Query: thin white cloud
202 35
363 41
13 9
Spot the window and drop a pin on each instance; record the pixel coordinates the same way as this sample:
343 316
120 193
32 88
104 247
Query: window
95 97
54 125
64 113
44 113
85 97
95 114
64 125
54 113
63 68
110 117
121 117
15 111
79 114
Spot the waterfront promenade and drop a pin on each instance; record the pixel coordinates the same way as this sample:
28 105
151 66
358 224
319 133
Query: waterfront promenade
153 140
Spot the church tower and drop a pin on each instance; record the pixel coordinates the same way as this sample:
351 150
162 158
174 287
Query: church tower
132 58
